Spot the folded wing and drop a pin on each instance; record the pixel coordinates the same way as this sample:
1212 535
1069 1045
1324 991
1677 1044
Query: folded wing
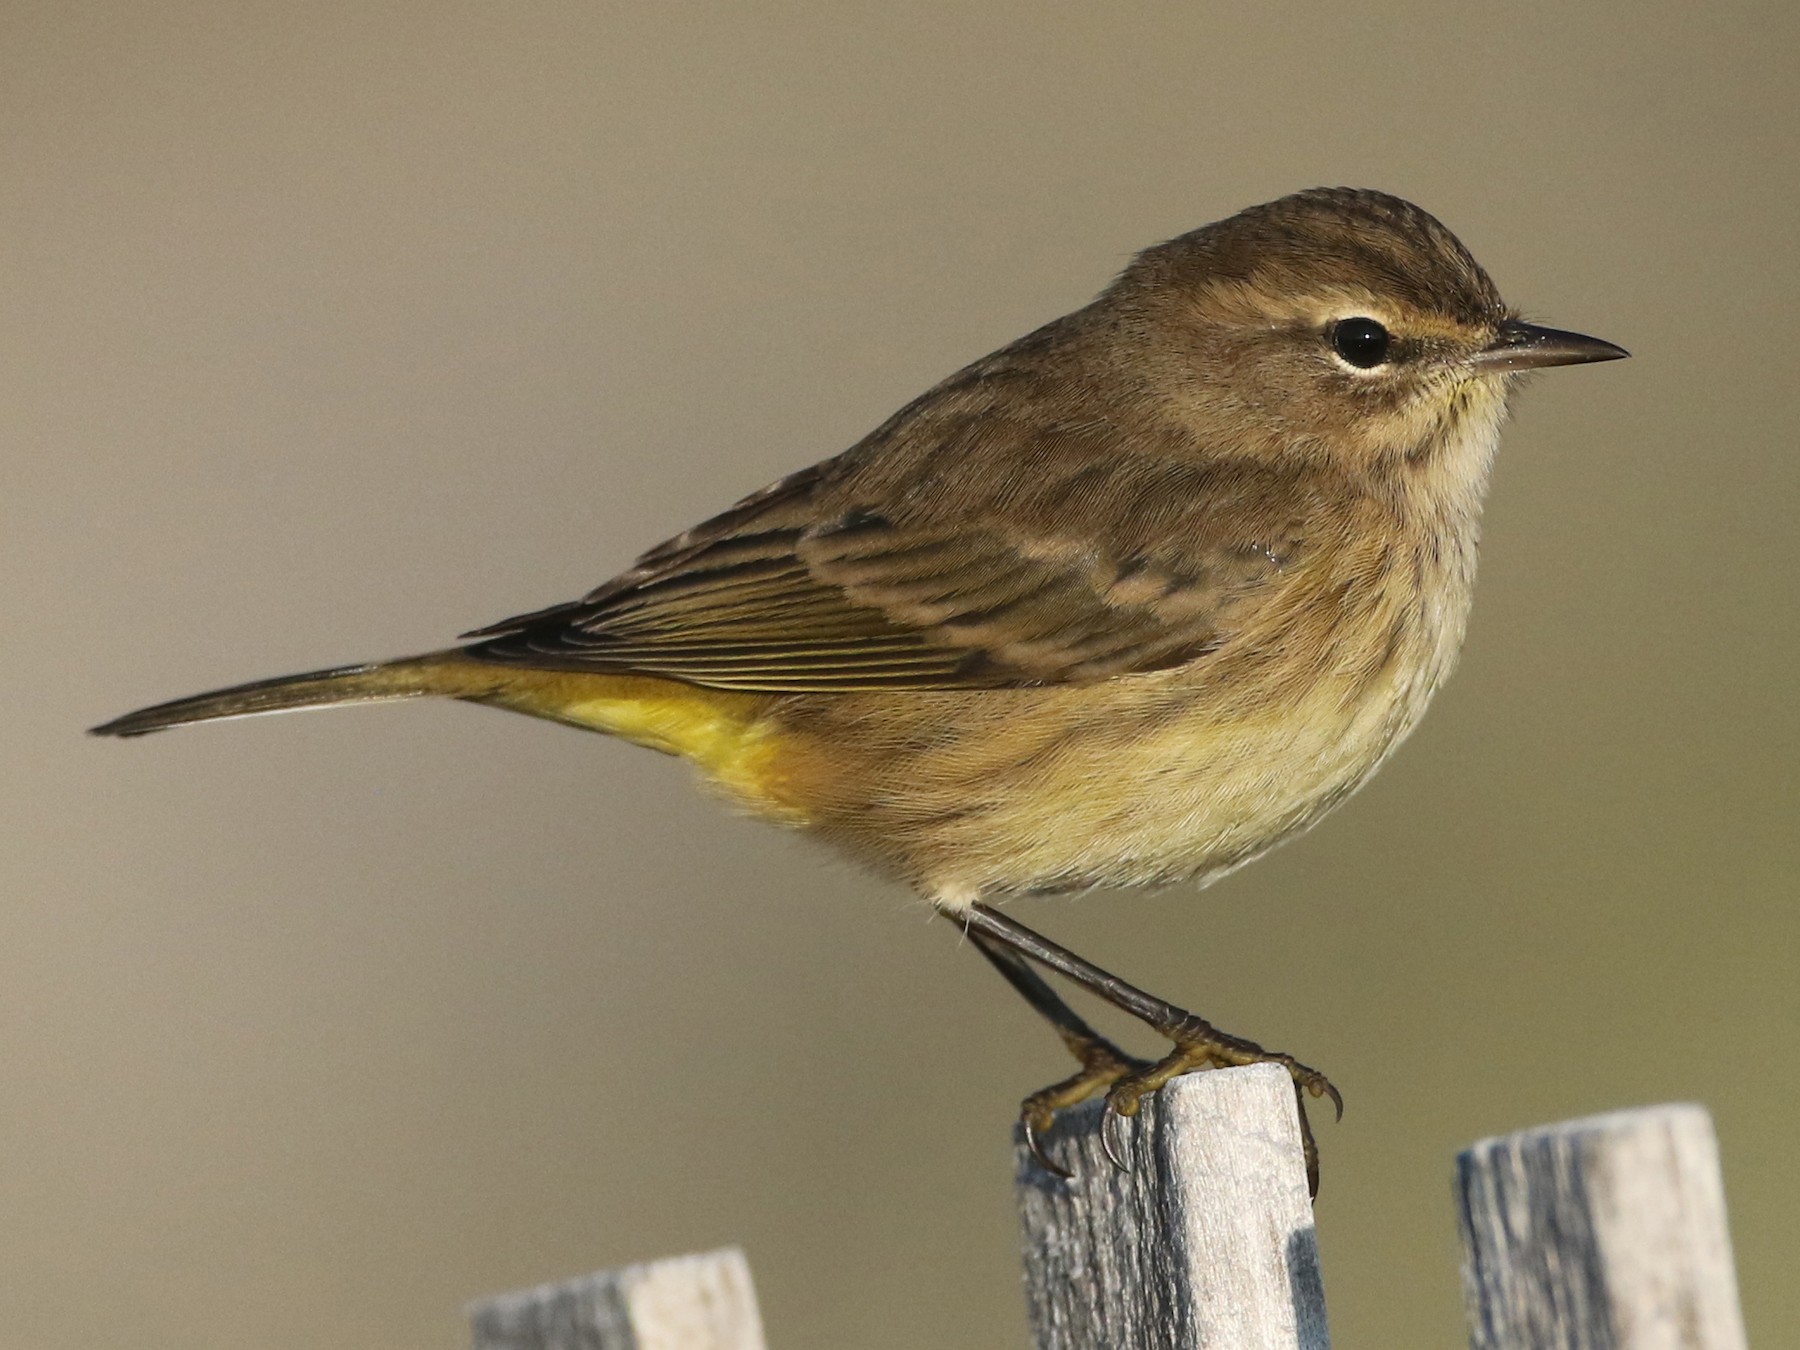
795 591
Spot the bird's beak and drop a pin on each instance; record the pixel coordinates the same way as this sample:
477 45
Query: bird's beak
1525 346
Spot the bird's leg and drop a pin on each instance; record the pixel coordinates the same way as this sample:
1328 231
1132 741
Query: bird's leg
1102 1062
1197 1043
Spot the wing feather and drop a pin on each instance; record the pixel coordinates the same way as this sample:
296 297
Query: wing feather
994 533
871 604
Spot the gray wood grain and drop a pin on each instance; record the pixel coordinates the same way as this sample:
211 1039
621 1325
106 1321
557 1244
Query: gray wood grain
1600 1234
1206 1244
703 1302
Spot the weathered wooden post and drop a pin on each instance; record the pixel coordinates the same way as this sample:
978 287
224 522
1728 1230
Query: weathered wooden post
703 1302
1600 1234
1207 1243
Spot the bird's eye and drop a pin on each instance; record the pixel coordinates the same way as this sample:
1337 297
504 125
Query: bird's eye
1361 342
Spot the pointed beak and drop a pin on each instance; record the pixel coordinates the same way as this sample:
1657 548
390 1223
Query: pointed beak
1525 346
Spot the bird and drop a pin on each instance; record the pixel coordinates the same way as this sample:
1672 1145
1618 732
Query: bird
1125 603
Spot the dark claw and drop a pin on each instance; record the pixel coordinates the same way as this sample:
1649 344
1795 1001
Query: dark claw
1308 1145
1036 1147
1112 1138
1318 1085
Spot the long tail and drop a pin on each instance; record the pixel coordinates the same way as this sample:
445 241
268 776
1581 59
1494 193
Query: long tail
440 673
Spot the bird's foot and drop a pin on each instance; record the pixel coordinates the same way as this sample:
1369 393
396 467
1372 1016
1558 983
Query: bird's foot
1102 1065
1200 1045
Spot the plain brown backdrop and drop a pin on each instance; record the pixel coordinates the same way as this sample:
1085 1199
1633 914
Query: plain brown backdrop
332 330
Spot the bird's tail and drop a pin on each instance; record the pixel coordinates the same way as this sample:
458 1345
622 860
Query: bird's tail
440 673
720 730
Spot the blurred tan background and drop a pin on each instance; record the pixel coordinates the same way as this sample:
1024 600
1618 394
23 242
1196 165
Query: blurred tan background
332 330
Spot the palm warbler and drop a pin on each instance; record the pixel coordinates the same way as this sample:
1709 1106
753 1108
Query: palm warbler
1125 603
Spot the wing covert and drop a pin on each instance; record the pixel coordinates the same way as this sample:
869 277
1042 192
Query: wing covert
863 602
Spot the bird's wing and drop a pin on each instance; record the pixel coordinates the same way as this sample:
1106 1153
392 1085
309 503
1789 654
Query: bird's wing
798 588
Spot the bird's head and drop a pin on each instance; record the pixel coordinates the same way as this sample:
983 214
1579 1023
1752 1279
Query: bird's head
1338 325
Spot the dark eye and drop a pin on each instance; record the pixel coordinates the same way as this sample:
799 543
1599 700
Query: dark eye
1361 342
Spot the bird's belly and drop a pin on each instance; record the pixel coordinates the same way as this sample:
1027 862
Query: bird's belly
1191 799
1115 785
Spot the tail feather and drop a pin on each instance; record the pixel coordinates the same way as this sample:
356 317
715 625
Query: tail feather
378 683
